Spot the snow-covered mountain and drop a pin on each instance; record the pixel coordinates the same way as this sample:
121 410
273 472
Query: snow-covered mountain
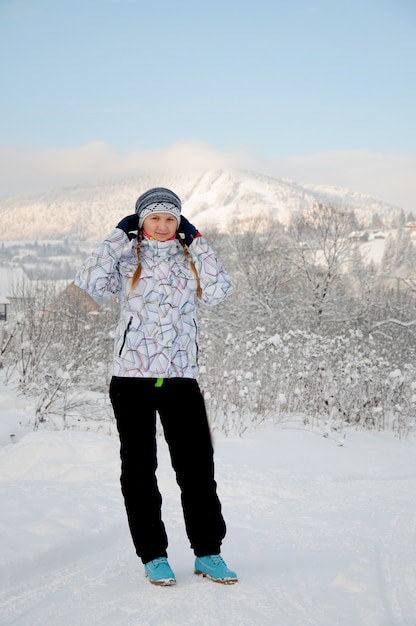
216 198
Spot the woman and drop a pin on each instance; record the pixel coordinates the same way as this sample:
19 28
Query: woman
159 280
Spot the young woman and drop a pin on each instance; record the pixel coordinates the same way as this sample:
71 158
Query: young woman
160 279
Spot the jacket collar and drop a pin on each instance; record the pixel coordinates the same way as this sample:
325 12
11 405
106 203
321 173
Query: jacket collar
160 248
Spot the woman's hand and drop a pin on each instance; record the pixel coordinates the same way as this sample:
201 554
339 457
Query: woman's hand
130 225
187 231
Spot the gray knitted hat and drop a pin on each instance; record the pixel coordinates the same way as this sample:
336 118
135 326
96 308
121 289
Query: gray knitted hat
158 200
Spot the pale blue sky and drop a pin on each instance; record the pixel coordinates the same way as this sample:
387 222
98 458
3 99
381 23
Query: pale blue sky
288 87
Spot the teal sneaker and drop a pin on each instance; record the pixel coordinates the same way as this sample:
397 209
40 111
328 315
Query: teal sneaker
159 572
213 566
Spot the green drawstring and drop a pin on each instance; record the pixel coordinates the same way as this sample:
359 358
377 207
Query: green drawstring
159 382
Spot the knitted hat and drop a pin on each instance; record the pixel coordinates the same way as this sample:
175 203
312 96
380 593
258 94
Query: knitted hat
158 200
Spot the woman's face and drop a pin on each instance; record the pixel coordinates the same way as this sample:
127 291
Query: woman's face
160 226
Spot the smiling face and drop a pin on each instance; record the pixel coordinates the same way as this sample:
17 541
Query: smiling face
160 226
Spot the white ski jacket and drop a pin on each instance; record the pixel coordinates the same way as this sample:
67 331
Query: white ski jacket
157 333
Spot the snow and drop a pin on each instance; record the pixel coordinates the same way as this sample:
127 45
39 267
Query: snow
217 198
320 531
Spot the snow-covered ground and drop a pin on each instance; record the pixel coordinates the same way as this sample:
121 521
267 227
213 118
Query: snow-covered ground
319 533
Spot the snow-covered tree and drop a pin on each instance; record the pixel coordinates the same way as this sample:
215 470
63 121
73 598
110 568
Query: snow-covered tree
399 256
321 248
262 272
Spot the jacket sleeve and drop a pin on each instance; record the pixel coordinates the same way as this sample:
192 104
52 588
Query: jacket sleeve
100 276
215 281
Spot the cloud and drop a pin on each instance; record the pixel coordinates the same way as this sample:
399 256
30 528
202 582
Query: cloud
24 171
389 177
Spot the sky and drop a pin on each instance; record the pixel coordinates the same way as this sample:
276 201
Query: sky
318 91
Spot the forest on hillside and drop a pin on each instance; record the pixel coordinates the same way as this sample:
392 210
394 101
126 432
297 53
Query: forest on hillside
314 332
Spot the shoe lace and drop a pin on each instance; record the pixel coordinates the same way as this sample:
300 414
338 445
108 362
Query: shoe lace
161 560
217 559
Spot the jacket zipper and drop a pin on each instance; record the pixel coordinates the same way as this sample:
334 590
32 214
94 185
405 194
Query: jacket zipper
196 339
125 335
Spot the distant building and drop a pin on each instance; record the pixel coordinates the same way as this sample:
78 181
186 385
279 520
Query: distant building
80 299
13 287
361 236
75 299
4 304
379 235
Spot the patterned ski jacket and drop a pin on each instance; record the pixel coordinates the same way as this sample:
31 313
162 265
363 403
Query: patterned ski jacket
157 333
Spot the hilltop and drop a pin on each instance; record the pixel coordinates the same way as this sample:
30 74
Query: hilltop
210 198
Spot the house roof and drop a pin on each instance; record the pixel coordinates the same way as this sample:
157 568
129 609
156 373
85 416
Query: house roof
12 281
78 297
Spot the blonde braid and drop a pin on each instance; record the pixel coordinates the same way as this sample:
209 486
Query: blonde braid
138 270
192 264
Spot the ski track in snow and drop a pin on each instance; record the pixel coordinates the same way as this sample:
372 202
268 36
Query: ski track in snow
319 535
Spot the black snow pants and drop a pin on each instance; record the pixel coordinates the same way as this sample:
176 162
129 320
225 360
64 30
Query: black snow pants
182 413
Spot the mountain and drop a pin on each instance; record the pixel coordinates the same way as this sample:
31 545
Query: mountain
216 198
